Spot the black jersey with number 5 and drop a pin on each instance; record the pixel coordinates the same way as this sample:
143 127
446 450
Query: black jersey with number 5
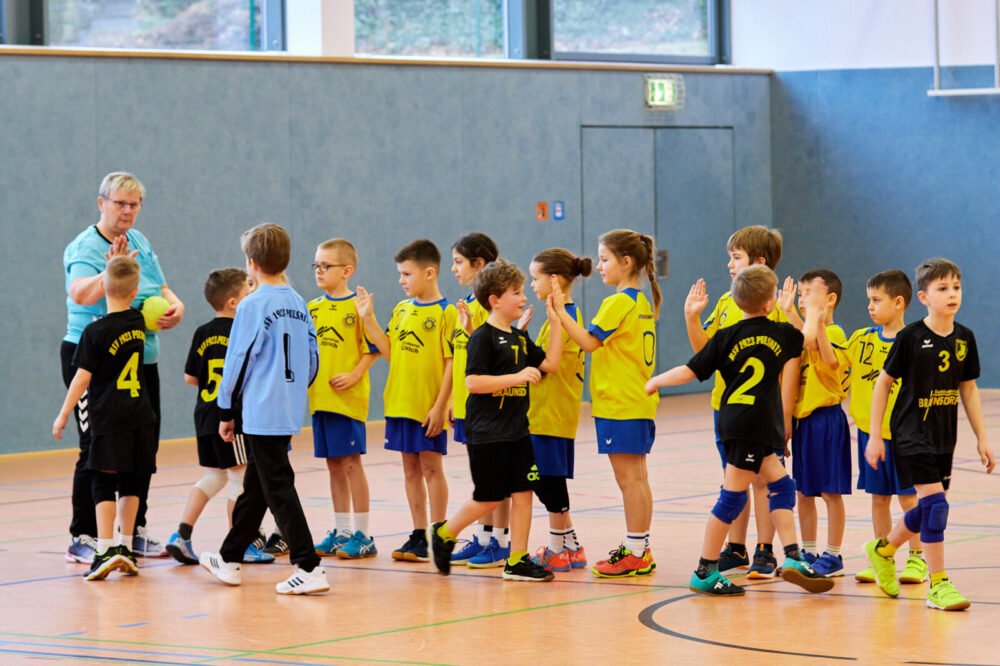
930 368
204 361
750 356
111 349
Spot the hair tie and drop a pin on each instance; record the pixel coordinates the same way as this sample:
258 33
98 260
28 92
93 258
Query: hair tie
576 265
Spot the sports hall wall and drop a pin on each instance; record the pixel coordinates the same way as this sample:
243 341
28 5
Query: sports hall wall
380 154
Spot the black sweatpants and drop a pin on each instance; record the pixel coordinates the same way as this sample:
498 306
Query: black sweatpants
269 483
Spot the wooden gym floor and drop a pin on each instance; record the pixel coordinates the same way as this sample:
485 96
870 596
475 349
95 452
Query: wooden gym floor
383 612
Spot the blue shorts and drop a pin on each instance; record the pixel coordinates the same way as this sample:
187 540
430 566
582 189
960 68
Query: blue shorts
722 447
884 480
336 435
821 453
554 455
407 436
625 436
458 433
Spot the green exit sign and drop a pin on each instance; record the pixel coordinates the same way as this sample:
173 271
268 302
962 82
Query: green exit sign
664 91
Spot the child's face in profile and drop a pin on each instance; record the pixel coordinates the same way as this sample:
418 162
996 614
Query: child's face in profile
813 289
414 279
541 282
738 260
464 269
882 307
943 297
509 306
613 270
331 272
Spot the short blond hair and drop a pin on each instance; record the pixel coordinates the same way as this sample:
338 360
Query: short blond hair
758 242
120 180
343 249
121 277
753 287
269 246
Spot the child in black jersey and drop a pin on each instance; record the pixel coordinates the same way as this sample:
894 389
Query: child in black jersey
937 362
502 361
109 361
754 424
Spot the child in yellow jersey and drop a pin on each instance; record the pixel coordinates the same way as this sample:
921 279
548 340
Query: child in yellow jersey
555 412
746 247
622 341
889 292
469 255
338 399
821 440
418 345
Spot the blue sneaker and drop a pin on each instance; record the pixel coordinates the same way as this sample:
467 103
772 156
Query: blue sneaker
491 556
829 565
467 552
181 549
357 547
145 544
333 542
82 549
809 558
255 555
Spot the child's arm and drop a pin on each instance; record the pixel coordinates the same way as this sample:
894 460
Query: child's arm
814 330
588 341
434 421
365 303
464 316
694 305
190 379
491 383
554 352
786 301
974 410
789 392
875 451
346 380
682 374
81 380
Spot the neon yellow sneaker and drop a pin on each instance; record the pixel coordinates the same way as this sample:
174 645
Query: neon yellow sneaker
883 567
944 596
914 572
866 575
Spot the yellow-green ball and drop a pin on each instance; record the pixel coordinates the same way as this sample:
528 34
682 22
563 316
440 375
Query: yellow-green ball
153 308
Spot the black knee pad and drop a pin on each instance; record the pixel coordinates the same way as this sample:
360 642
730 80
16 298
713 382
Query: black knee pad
130 484
553 494
103 486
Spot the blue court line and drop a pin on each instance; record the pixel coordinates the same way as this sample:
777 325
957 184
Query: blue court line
72 633
77 575
188 617
137 624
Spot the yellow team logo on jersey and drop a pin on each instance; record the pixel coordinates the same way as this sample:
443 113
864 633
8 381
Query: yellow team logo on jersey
961 349
349 319
430 323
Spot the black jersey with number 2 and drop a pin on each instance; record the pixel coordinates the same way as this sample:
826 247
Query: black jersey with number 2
750 356
111 349
500 416
204 361
930 367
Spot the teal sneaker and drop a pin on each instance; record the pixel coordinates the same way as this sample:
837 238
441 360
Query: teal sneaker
715 585
801 573
181 549
883 567
944 596
255 555
358 547
334 541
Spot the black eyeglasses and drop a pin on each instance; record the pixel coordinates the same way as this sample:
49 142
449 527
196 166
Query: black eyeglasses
126 204
324 267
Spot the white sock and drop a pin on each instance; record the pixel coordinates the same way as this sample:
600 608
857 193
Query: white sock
120 540
103 545
569 539
646 544
557 540
483 534
342 522
833 550
636 543
361 523
503 537
809 546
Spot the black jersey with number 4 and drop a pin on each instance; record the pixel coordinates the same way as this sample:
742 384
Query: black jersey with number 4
750 356
111 349
500 416
930 367
204 361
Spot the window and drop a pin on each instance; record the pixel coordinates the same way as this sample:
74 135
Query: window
209 25
455 28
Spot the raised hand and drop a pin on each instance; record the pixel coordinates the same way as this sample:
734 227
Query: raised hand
525 319
786 295
696 300
364 302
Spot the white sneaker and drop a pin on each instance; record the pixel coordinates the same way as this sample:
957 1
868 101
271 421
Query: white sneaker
228 572
145 544
304 582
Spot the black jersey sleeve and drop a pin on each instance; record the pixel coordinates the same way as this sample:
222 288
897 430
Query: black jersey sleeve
897 361
86 355
536 355
705 362
795 342
970 370
479 352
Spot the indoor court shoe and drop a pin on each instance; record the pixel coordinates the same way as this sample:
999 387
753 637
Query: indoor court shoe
944 596
333 542
551 561
491 556
714 585
260 541
255 555
829 565
228 572
914 572
81 549
440 549
181 549
801 573
883 567
730 559
304 582
415 548
129 567
578 558
765 565
466 552
809 558
104 563
866 575
358 547
275 545
647 558
145 544
623 563
526 570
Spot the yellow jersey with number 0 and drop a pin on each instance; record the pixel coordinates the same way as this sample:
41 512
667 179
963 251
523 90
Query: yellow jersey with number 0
623 364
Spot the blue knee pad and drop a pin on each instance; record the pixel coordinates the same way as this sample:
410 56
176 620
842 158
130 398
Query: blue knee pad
729 505
935 518
781 494
914 518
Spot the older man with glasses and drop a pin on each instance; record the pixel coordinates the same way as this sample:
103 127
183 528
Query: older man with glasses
119 200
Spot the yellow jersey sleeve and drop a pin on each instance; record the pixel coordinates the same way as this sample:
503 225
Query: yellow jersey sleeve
866 353
555 402
420 339
459 394
342 342
624 362
819 384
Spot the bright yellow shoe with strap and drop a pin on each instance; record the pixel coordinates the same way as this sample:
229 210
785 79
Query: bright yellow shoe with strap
866 575
883 567
944 596
914 572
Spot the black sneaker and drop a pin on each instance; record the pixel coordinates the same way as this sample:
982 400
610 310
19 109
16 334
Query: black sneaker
276 545
440 549
260 542
129 566
104 563
415 548
527 570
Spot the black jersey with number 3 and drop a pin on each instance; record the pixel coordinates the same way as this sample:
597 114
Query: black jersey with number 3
930 368
750 356
204 361
111 349
500 416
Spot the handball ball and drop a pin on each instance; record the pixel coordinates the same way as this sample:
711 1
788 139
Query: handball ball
152 309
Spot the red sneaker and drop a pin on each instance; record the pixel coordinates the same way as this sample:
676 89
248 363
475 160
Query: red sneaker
623 563
577 558
551 561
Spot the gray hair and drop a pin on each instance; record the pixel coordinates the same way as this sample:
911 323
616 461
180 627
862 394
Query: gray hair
120 180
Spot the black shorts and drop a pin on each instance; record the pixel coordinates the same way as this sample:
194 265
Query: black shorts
129 451
214 452
747 455
923 468
501 468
